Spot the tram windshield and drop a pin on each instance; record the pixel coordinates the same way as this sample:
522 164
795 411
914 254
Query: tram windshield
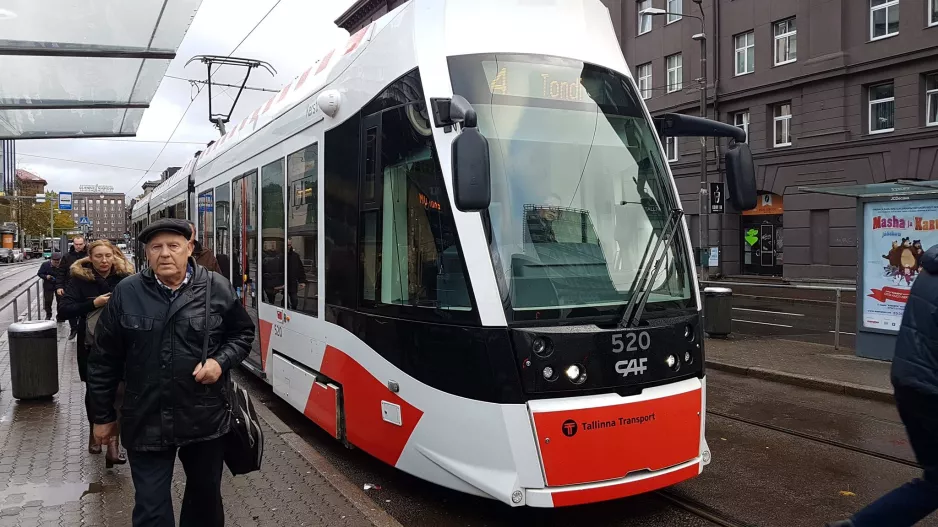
580 193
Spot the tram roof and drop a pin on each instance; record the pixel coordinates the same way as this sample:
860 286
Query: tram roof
85 69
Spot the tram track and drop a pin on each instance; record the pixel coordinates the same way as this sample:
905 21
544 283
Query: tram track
699 509
816 439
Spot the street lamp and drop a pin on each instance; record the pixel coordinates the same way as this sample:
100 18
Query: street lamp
704 190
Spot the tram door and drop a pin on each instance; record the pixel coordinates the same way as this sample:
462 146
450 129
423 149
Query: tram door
244 250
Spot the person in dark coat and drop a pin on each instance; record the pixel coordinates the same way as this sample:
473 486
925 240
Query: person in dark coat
915 381
296 275
151 333
203 256
75 253
92 280
48 272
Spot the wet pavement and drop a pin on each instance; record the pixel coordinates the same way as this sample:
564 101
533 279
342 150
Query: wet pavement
51 479
768 317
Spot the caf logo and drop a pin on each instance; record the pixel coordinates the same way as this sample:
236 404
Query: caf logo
569 428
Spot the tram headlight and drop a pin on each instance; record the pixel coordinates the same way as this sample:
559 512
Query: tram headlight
576 373
688 358
541 347
672 362
689 332
549 373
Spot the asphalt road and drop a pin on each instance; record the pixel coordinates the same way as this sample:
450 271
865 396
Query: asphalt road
809 321
758 476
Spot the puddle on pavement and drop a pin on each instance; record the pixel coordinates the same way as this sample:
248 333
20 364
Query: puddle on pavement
48 495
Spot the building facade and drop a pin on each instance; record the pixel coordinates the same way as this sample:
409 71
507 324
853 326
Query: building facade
29 184
106 212
831 93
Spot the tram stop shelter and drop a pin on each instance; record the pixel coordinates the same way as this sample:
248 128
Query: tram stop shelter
84 69
896 223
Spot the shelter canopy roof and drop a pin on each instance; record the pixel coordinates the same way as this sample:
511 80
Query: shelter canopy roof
86 68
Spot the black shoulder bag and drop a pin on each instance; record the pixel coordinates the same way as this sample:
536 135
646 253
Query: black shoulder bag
244 442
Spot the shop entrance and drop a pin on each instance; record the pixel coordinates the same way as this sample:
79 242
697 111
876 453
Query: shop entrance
762 233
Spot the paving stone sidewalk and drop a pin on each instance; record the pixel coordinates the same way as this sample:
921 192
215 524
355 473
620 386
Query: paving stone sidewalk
47 476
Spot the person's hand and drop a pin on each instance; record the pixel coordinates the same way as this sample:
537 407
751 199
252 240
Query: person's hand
103 433
49 277
60 292
102 300
207 374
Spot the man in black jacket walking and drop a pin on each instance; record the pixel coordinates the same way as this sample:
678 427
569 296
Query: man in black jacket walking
75 253
915 380
151 334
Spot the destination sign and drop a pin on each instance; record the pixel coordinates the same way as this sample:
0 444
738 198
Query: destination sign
539 81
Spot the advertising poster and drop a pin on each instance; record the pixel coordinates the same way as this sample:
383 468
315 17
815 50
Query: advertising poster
896 234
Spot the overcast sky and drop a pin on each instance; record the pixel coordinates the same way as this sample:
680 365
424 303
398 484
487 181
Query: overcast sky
293 37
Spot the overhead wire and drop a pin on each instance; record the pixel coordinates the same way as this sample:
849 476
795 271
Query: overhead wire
186 111
80 162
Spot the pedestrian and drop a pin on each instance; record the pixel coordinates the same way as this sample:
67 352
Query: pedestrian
76 252
48 272
296 275
153 329
202 255
93 278
915 381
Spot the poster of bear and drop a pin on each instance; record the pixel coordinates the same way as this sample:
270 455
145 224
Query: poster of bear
895 237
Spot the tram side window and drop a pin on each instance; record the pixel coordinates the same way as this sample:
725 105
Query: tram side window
244 238
181 209
206 214
222 234
273 238
409 244
303 227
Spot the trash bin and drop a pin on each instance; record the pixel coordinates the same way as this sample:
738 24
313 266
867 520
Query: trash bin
718 311
34 362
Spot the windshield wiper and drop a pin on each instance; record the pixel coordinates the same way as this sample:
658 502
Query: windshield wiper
643 287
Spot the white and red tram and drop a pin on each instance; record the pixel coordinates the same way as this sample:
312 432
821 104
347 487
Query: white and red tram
514 314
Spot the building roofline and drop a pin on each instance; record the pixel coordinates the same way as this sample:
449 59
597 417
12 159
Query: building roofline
356 12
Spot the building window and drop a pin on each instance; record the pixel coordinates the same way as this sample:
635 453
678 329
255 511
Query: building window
273 237
741 120
933 13
782 118
882 108
674 8
643 73
644 21
745 53
303 229
884 18
670 148
675 73
786 42
931 98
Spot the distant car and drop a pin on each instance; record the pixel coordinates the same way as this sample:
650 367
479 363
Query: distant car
18 255
6 255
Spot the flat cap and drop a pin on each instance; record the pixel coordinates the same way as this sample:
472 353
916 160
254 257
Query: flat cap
56 256
173 225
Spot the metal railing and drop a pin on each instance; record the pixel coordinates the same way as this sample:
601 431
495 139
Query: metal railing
29 302
838 292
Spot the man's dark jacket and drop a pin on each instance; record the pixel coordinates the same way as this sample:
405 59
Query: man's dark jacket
205 258
915 365
45 271
63 276
154 345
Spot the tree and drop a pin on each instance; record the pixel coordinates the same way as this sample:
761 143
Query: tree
35 218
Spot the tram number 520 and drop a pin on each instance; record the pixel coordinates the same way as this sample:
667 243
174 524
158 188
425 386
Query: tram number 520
631 341
278 330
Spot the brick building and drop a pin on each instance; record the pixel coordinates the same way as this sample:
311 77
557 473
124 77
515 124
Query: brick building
29 184
106 212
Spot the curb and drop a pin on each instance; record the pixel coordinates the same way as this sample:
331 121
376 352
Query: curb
805 381
377 516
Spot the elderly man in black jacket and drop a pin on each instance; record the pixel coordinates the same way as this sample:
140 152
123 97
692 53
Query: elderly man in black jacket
915 380
151 335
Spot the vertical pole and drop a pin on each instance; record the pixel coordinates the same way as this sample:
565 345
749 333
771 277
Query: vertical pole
16 309
39 305
704 187
837 322
29 303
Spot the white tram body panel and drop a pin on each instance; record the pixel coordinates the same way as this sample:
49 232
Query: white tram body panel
520 453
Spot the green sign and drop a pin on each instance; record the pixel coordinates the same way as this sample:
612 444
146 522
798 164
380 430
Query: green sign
752 236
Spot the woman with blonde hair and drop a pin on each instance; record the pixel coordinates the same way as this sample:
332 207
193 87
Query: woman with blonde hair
91 281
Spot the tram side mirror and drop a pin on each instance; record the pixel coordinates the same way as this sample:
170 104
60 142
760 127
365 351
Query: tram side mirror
740 177
472 179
